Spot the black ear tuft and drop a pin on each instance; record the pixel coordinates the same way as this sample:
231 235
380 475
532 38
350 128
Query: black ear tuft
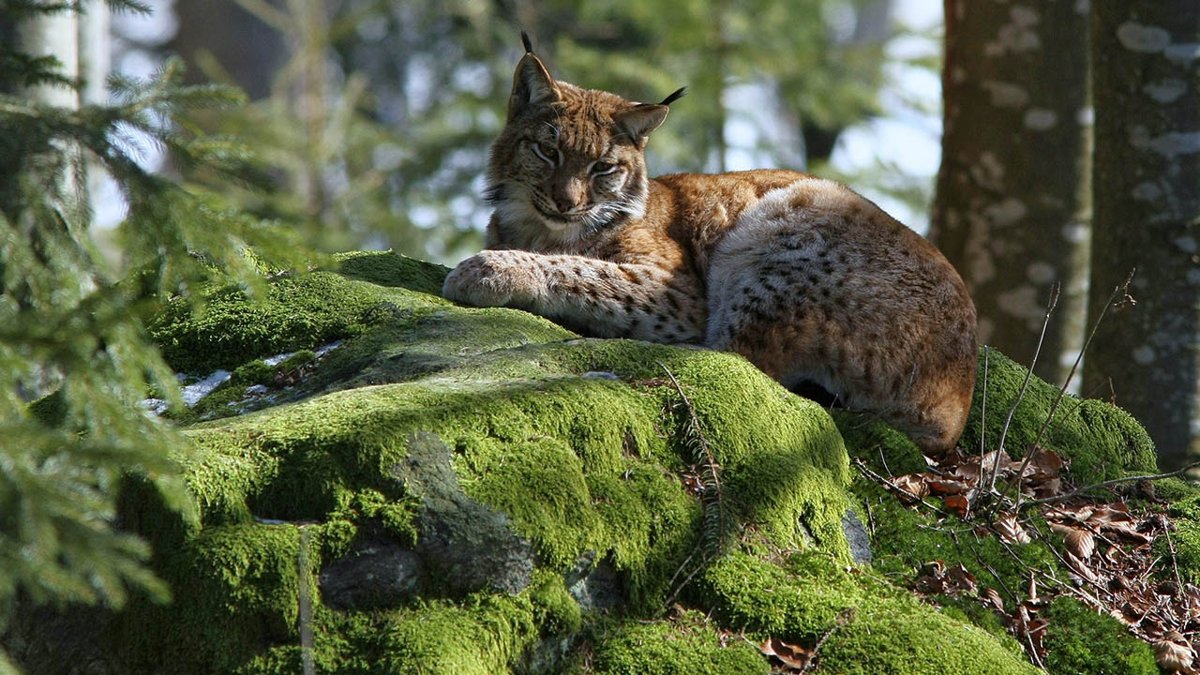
527 42
678 94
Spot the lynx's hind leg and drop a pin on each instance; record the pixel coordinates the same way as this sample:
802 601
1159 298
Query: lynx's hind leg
816 284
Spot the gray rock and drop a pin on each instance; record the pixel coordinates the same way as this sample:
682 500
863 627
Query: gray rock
374 574
857 537
597 587
466 545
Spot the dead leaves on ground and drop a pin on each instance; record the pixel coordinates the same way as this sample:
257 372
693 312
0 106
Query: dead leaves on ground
1105 546
791 658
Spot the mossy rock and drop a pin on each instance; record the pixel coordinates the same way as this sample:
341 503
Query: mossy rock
539 499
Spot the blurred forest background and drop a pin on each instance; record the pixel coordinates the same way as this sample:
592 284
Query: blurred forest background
374 118
1070 157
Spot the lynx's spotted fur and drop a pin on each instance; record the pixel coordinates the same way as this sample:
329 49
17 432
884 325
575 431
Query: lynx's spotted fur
808 280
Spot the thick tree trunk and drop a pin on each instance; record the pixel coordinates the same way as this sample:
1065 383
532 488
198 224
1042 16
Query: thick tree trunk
1012 204
1146 79
240 43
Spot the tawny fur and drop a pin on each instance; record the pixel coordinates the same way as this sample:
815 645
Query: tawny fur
805 278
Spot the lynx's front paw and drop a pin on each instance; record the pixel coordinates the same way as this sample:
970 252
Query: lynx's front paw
493 279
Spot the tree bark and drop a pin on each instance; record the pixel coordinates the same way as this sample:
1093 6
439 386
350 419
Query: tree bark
1012 204
245 47
1146 79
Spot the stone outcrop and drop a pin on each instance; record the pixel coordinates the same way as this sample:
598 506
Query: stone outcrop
455 490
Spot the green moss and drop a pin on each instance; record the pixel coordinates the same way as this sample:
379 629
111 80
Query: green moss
1101 440
235 590
1186 540
684 645
485 636
387 268
1081 641
582 448
555 610
905 539
297 312
881 628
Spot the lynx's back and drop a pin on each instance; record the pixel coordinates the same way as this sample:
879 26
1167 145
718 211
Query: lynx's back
808 280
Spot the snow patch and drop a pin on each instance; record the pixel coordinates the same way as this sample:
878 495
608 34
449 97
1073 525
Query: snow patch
1040 119
1018 35
195 391
1166 91
1005 213
1076 233
1006 94
1183 53
1169 145
1193 277
1147 192
1022 303
1086 116
1137 37
1040 272
1144 355
1186 244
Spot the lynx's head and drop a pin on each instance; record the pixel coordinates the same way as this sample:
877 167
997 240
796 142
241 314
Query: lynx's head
569 161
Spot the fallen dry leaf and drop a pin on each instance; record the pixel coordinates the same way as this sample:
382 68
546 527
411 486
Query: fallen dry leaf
1174 654
913 484
1010 529
793 658
1078 541
991 597
957 504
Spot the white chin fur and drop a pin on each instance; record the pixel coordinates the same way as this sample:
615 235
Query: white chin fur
522 212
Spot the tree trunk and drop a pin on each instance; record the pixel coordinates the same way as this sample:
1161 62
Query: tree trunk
225 34
1012 204
1146 79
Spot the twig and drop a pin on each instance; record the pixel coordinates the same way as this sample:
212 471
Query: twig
1115 481
844 617
1174 560
987 353
711 498
887 483
1024 385
1035 447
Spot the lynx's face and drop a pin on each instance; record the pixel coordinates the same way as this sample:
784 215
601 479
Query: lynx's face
569 161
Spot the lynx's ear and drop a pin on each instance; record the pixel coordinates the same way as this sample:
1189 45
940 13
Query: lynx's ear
532 87
638 121
643 118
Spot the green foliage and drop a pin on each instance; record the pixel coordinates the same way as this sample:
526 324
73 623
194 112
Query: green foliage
378 124
72 326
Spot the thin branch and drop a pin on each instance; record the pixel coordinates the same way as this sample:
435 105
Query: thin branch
1115 481
1035 447
987 353
904 495
1024 385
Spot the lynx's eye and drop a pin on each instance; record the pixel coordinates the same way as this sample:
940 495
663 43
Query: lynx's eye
603 168
547 153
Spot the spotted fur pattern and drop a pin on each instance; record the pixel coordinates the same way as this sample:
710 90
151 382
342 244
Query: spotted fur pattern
808 280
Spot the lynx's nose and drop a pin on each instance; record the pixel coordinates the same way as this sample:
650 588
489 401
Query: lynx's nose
570 194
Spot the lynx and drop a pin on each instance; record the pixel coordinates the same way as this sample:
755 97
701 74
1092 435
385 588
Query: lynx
811 282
